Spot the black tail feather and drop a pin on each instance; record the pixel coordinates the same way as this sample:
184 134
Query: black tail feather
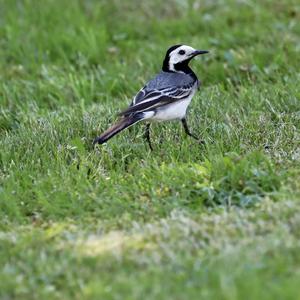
116 128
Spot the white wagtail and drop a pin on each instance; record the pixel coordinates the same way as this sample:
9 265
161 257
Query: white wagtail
165 97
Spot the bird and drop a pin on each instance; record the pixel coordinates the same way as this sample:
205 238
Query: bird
165 97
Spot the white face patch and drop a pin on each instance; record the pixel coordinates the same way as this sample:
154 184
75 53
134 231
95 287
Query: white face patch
180 54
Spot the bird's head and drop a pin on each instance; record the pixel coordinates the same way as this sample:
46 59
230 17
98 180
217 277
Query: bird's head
178 57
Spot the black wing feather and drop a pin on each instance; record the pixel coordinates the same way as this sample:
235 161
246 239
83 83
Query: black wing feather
145 106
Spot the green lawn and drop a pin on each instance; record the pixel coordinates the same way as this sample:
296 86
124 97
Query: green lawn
186 221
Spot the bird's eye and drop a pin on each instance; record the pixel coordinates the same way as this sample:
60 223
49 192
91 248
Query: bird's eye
181 52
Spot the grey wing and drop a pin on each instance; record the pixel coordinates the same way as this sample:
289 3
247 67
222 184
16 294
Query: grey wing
164 83
150 99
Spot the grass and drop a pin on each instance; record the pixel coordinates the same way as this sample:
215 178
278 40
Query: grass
187 221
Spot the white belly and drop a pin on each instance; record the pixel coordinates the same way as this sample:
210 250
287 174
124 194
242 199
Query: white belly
173 111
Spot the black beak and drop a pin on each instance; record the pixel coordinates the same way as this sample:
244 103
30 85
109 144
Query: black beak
198 52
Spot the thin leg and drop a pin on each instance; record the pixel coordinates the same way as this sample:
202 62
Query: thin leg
187 131
147 135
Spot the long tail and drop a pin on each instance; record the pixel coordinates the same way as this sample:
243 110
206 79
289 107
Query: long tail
119 126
